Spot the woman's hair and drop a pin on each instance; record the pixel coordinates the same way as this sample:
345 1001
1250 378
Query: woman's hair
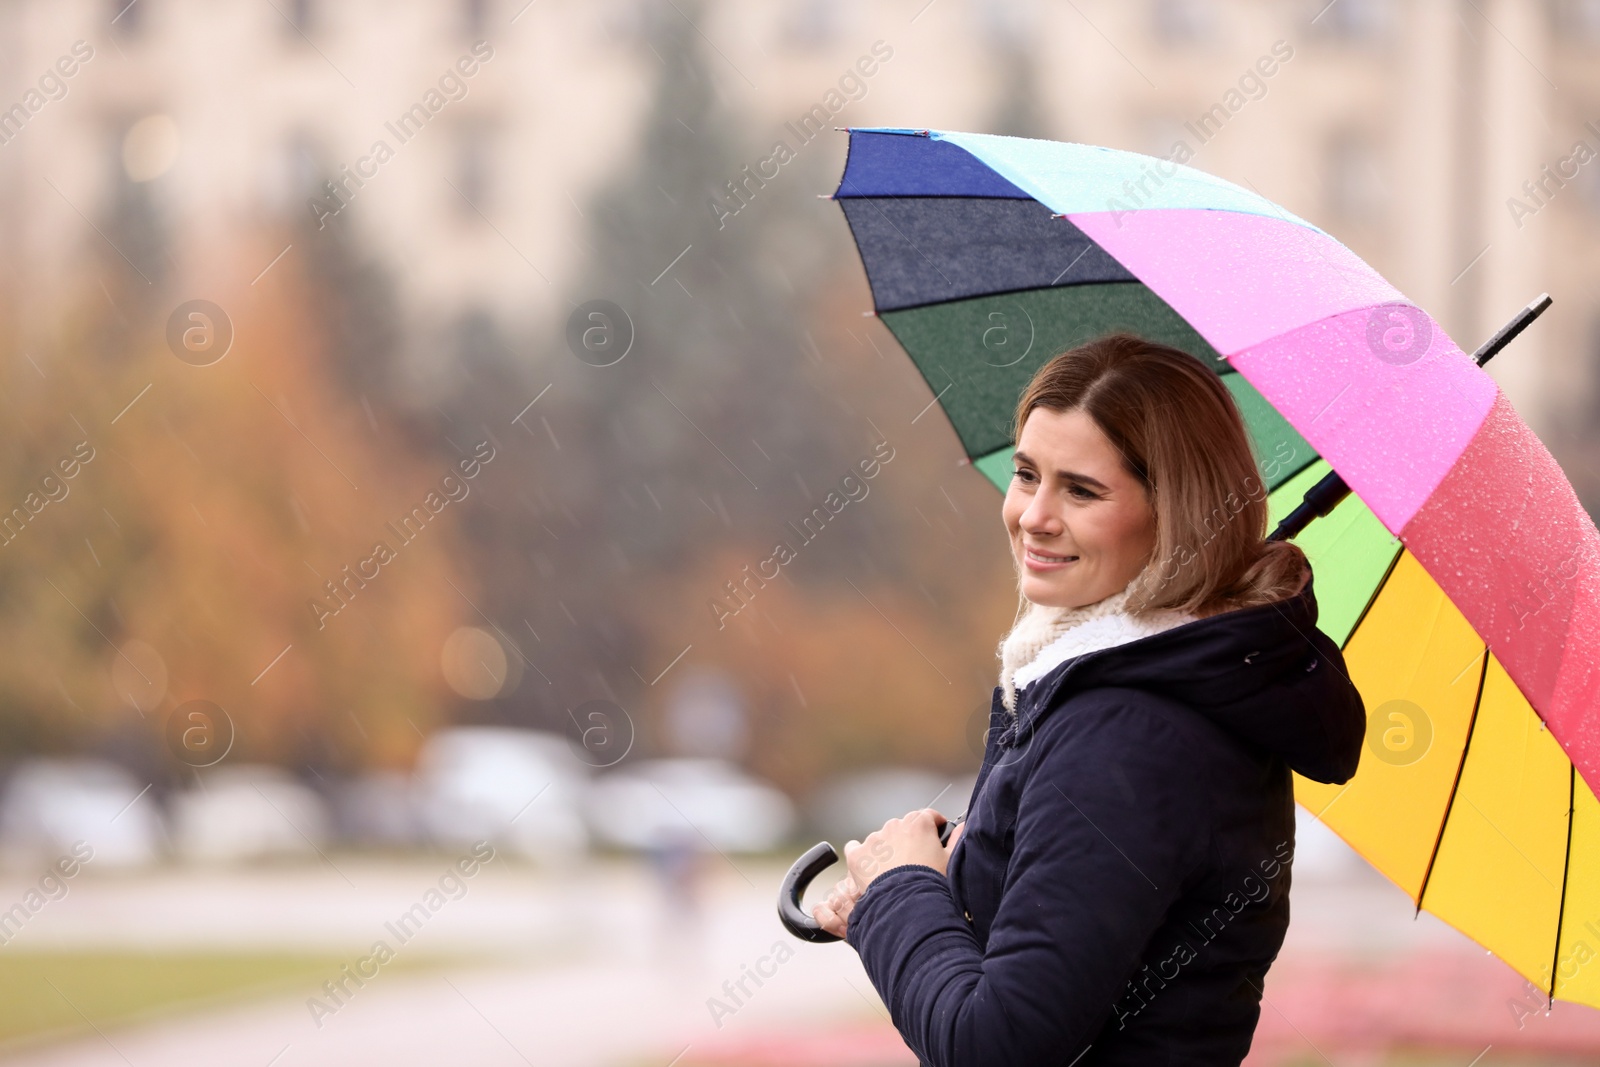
1181 435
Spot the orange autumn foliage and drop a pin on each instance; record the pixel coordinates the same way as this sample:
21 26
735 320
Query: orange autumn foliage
837 678
218 501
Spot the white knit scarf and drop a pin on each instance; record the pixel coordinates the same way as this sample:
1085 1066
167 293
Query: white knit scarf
1046 637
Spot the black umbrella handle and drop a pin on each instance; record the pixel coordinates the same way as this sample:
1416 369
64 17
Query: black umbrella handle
818 858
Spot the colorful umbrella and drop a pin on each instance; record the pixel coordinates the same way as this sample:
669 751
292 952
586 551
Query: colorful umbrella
1460 575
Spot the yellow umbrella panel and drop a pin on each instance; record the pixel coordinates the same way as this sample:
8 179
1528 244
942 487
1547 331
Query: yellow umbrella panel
1463 798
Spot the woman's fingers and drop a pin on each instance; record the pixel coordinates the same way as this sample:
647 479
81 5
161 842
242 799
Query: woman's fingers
832 915
842 900
913 839
829 920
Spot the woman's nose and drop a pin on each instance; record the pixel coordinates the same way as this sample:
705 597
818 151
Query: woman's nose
1040 515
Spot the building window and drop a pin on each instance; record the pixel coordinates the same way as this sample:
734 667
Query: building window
293 174
1183 21
299 16
1589 179
127 17
1352 184
1579 19
1008 26
1350 20
475 18
1594 340
810 23
473 162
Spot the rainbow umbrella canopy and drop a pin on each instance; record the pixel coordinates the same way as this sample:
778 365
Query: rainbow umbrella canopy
1460 575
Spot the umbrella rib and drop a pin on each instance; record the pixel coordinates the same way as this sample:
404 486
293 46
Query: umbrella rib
1456 784
1377 590
1341 268
1566 869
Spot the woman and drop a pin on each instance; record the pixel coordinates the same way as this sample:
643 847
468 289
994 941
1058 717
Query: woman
1121 882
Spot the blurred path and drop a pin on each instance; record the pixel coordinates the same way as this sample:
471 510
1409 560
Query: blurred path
588 975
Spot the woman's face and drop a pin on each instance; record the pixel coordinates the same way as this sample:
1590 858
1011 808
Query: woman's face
1081 526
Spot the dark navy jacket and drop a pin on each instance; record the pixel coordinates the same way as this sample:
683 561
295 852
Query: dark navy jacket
1122 883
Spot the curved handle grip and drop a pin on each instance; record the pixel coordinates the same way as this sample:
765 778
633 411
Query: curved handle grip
818 858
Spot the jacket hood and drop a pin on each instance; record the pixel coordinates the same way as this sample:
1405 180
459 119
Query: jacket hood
1265 674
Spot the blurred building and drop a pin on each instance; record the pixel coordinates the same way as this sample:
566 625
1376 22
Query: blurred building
1411 129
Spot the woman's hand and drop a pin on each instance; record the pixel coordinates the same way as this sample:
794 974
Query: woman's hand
834 914
912 839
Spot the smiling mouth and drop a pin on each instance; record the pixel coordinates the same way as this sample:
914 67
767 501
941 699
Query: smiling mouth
1038 557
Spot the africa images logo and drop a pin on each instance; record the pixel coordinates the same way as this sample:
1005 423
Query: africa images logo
1399 334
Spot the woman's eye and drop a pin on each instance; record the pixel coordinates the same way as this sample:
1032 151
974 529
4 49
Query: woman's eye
1026 476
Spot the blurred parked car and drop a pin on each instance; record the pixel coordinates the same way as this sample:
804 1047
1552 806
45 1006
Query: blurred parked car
245 812
637 806
50 805
378 808
521 789
854 804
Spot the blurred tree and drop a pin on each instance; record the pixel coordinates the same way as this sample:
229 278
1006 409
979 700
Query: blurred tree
222 497
171 527
1018 112
351 300
705 431
830 685
642 488
1008 30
